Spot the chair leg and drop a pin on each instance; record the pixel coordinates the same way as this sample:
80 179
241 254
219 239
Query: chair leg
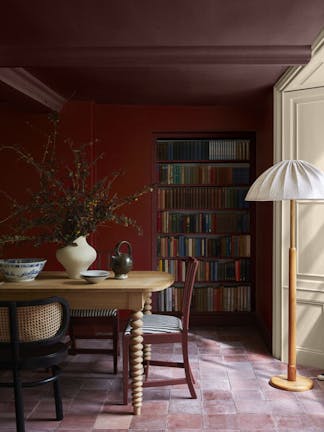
146 369
57 394
186 364
72 349
19 403
125 369
115 344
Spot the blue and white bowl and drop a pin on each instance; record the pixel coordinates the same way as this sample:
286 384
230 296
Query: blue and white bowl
21 269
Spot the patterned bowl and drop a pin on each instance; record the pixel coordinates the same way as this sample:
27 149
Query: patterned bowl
21 269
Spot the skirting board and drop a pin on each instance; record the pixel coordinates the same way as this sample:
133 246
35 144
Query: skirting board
310 358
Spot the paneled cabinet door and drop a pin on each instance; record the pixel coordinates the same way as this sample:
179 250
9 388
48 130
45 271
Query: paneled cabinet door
303 138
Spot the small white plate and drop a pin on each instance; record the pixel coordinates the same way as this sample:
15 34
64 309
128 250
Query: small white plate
94 276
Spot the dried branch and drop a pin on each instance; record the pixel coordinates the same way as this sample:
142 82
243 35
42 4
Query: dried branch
67 205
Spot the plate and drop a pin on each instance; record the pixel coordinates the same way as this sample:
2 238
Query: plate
94 276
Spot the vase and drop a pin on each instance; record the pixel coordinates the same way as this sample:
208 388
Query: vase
76 259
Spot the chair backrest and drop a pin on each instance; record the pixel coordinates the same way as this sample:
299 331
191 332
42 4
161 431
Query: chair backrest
40 322
191 271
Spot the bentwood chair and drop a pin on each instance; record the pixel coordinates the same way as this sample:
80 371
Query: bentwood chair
95 324
32 338
159 329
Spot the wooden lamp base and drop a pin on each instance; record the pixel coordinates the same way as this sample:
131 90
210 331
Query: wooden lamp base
300 384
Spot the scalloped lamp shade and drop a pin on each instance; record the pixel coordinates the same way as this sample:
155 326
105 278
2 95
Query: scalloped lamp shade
288 179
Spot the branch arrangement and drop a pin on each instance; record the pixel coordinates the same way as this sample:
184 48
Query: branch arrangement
67 204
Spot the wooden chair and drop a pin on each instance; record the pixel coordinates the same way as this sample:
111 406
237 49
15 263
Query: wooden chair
159 329
31 338
96 323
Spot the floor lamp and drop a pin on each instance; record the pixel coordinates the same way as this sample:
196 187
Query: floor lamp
290 180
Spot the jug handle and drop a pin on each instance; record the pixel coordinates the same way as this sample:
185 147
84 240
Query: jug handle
118 246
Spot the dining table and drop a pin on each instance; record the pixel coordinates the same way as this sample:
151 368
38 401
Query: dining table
133 293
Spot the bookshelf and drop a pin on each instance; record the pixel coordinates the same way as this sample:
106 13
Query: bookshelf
201 211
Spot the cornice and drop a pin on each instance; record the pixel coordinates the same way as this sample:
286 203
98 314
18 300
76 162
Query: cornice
287 77
152 56
23 81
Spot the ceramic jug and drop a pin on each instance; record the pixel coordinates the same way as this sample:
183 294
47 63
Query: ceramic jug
122 263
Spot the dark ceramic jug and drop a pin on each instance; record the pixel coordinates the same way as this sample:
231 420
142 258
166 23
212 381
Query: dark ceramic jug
122 263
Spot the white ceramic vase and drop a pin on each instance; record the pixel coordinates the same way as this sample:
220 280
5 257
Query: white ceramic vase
76 259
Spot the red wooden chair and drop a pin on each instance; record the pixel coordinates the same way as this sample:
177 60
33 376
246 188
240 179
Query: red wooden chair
159 329
95 324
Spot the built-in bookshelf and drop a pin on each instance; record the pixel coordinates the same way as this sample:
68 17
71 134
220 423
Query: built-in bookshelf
201 211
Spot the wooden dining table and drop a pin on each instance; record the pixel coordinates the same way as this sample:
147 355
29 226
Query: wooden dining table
133 293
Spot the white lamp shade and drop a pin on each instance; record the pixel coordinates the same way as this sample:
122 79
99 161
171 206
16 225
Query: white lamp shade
288 180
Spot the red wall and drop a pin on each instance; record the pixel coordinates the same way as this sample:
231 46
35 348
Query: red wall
264 217
125 135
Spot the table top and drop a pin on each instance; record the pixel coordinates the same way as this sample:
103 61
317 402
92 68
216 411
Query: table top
127 293
148 281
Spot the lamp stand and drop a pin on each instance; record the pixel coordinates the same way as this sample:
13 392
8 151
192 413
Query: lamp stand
291 381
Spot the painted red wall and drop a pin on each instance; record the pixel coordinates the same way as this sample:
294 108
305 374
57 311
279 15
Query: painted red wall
125 135
16 177
264 218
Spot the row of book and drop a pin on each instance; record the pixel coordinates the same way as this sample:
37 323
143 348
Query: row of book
207 299
220 246
202 197
238 270
203 149
203 222
203 174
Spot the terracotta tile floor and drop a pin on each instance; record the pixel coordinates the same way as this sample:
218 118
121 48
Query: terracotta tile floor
232 369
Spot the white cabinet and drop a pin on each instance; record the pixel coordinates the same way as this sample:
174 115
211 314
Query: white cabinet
300 135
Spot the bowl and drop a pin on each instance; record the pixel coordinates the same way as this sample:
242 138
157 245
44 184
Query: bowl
94 276
21 269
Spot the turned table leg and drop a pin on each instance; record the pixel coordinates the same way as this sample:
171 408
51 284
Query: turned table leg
136 361
148 311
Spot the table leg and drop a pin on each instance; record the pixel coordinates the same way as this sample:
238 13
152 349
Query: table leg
136 360
148 311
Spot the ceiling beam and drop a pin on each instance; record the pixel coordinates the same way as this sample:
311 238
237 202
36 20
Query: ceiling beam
24 82
75 56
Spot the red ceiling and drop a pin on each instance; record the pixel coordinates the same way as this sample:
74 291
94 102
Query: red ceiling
157 51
